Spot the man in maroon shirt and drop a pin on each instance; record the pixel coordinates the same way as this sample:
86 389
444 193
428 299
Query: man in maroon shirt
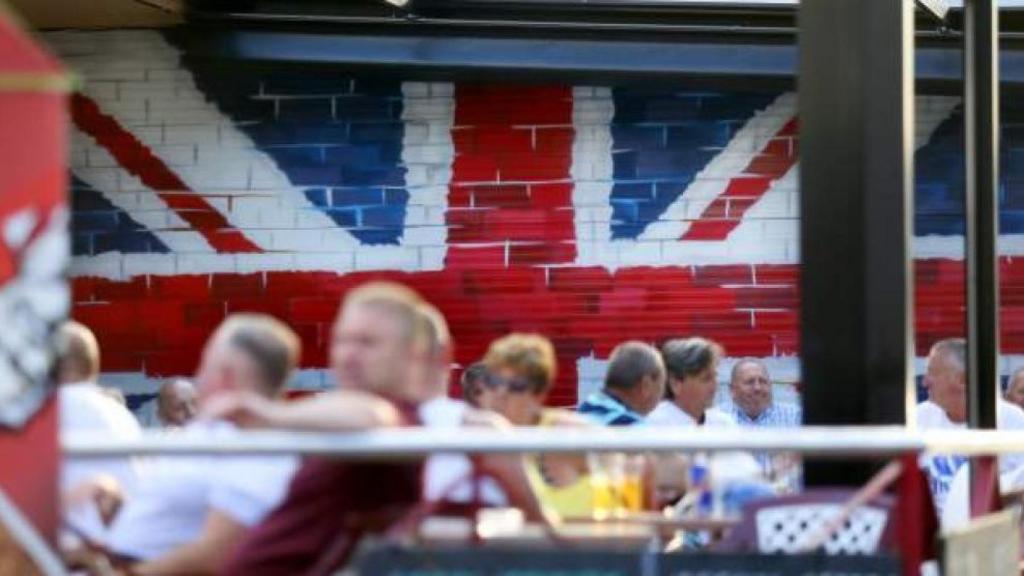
382 349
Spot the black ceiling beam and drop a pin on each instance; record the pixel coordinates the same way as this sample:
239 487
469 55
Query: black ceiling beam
542 57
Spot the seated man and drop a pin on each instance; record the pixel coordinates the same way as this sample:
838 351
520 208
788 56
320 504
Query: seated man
946 407
752 399
691 364
753 405
86 407
1015 388
633 385
176 403
188 512
390 354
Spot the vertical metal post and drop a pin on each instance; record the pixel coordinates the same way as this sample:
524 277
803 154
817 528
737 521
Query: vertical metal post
981 209
981 143
856 89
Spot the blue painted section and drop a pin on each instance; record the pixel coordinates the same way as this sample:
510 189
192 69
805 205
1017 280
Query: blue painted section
339 137
939 178
661 141
97 226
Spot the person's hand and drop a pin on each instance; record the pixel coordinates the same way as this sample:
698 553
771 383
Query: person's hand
102 491
246 409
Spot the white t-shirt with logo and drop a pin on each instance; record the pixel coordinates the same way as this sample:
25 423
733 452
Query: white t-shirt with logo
85 408
666 413
175 494
942 469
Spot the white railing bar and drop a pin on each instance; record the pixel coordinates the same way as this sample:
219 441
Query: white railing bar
398 443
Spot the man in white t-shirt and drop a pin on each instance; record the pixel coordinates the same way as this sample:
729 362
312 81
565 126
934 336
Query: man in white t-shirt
946 407
85 407
691 365
187 513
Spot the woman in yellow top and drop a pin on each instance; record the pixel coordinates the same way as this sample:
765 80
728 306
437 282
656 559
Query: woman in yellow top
520 372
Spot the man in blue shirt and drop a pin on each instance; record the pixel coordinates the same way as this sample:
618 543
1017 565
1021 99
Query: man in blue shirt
752 402
753 405
633 385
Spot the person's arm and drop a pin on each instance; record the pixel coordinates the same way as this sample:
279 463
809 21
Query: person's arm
337 410
204 555
509 471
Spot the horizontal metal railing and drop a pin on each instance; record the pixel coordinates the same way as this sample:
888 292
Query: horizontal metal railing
861 441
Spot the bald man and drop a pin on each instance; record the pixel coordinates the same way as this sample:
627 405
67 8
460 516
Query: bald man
86 407
176 403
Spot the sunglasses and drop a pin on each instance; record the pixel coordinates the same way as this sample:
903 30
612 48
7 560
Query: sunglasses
513 385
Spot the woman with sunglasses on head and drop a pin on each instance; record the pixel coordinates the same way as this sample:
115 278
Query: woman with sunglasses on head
520 372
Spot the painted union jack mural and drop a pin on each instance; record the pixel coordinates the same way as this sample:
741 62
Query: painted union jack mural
591 214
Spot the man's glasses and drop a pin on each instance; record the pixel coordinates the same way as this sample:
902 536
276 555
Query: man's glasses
514 385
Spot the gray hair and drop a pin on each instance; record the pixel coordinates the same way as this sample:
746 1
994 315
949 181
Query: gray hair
630 363
689 357
954 349
741 362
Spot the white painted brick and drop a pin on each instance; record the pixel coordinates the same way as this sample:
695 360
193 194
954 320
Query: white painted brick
424 235
429 195
427 153
416 133
417 175
174 75
598 253
253 204
684 253
101 91
103 179
766 252
590 194
387 258
97 73
177 154
205 263
415 89
442 90
439 174
107 265
154 90
267 262
298 241
779 229
328 262
439 133
415 215
176 133
278 218
184 241
149 264
432 257
585 232
263 172
640 253
428 109
77 158
262 237
208 177
205 115
669 229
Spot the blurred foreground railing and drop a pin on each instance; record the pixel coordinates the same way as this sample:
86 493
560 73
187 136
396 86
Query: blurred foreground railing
861 441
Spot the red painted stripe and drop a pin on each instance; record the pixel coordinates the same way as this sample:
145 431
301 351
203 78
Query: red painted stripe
140 161
724 213
752 310
510 196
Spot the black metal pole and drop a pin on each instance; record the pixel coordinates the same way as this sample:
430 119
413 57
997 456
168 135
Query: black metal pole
856 88
981 142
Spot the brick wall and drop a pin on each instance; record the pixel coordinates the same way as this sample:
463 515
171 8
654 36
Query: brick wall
590 214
